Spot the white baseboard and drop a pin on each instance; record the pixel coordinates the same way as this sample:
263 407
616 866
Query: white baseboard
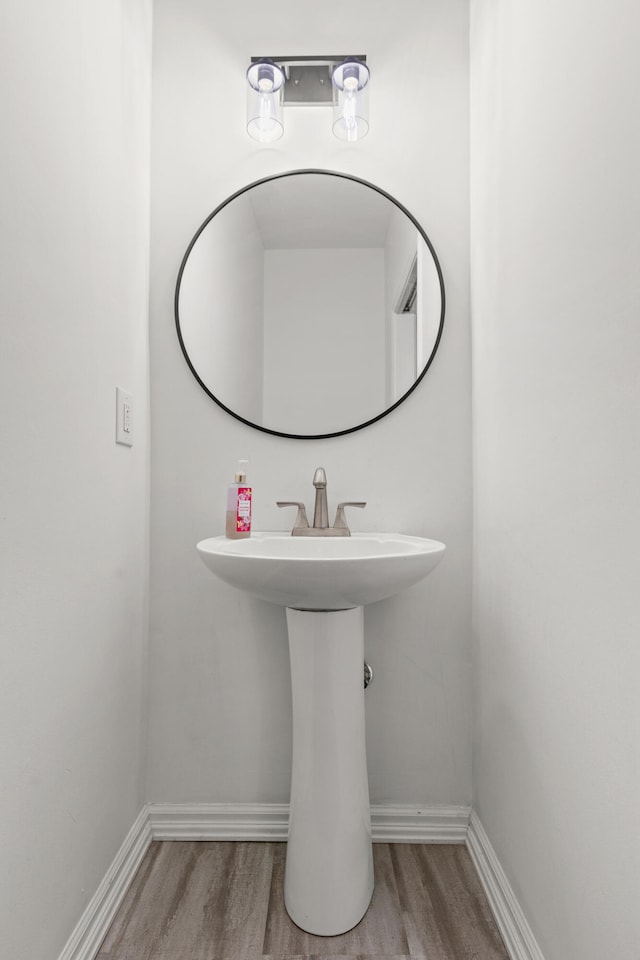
218 821
84 942
403 823
398 823
511 921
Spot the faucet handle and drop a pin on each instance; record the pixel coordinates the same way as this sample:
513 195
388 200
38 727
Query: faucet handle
301 518
341 521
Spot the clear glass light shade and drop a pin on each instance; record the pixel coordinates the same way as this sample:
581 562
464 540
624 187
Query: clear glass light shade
264 101
350 81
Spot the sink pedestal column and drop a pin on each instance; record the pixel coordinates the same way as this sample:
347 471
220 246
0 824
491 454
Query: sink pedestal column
329 870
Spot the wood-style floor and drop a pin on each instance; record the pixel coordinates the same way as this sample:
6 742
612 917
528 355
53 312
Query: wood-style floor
197 900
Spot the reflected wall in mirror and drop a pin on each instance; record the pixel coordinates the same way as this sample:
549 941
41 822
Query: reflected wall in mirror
309 304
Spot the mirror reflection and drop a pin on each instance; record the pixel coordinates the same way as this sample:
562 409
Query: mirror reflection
309 304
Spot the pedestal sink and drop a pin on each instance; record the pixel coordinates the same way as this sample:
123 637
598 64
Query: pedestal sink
324 584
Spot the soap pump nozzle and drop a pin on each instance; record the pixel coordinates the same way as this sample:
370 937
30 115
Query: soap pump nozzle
241 472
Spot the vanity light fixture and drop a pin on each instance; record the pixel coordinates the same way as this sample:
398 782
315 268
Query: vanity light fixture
275 82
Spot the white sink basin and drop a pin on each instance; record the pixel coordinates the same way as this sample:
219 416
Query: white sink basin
321 573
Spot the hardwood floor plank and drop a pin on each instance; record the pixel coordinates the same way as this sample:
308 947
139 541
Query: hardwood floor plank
204 901
226 912
130 924
379 933
445 911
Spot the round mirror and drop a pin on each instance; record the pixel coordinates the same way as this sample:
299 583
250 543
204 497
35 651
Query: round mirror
309 304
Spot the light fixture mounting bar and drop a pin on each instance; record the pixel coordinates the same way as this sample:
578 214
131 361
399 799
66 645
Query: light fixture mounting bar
308 78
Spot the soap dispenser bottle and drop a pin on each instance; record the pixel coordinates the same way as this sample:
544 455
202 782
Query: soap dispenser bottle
239 505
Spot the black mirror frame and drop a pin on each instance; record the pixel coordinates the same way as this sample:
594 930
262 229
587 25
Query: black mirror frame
365 423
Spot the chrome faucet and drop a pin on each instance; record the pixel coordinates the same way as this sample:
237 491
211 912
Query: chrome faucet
320 526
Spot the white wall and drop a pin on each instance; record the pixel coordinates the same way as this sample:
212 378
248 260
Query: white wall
219 680
323 320
556 308
74 107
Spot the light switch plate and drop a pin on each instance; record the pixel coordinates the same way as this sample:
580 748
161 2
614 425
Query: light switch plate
124 417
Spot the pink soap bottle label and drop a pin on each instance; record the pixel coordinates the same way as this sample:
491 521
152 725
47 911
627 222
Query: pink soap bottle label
243 510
